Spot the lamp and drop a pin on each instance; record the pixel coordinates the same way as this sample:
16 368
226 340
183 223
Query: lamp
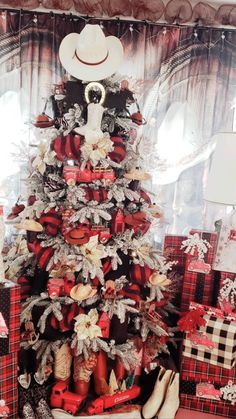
221 189
221 185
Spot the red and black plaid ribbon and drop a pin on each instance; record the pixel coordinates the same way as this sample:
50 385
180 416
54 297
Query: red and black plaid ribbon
10 309
140 274
8 383
119 152
214 407
98 195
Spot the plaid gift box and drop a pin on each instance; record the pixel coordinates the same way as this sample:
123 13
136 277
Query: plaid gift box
10 315
215 342
198 279
214 407
9 383
195 373
172 251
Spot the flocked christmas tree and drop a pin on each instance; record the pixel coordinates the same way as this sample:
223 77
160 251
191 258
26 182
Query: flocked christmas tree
95 293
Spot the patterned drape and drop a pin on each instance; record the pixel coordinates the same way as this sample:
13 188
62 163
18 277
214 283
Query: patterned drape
184 79
172 11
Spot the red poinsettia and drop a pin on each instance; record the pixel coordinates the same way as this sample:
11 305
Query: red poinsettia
192 320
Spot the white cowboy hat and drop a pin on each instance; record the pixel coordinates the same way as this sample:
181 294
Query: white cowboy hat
90 56
82 292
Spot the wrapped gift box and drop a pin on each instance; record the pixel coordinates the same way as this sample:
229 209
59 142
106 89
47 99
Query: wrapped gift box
215 342
195 372
9 383
214 407
198 281
10 318
172 251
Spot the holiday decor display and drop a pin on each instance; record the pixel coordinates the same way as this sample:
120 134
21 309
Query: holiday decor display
173 251
95 294
198 281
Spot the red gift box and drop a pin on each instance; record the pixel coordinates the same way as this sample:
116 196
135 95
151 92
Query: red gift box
197 285
207 406
9 383
195 372
172 251
10 310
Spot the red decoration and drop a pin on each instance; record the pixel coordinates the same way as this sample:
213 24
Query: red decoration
104 324
138 118
43 121
104 233
55 287
43 254
118 222
15 211
73 175
79 235
64 399
98 195
100 374
119 152
67 148
138 222
192 320
140 274
105 402
51 221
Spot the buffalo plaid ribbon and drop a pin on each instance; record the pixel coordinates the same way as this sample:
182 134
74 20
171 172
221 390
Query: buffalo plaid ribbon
198 287
214 407
222 333
8 383
10 308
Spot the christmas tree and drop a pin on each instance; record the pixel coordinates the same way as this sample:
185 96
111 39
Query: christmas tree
95 292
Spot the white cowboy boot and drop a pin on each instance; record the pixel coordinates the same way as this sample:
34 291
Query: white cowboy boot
92 129
171 403
156 399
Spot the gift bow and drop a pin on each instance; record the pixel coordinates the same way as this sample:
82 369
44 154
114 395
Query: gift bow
192 320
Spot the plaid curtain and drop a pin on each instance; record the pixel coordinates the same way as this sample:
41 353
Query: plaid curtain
184 79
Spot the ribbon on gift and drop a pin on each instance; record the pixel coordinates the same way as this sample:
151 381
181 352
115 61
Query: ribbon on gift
213 311
190 321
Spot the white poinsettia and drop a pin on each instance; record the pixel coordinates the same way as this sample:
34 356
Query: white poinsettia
86 327
96 148
44 156
93 251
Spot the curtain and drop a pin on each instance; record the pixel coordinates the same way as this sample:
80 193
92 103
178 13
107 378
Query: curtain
184 79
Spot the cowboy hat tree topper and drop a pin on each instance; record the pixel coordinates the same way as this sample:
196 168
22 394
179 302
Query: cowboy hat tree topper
92 282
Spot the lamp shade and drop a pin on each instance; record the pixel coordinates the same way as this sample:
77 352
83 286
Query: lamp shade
221 185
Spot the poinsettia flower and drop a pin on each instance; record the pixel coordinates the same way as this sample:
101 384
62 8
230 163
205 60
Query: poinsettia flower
96 148
45 156
86 327
93 251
